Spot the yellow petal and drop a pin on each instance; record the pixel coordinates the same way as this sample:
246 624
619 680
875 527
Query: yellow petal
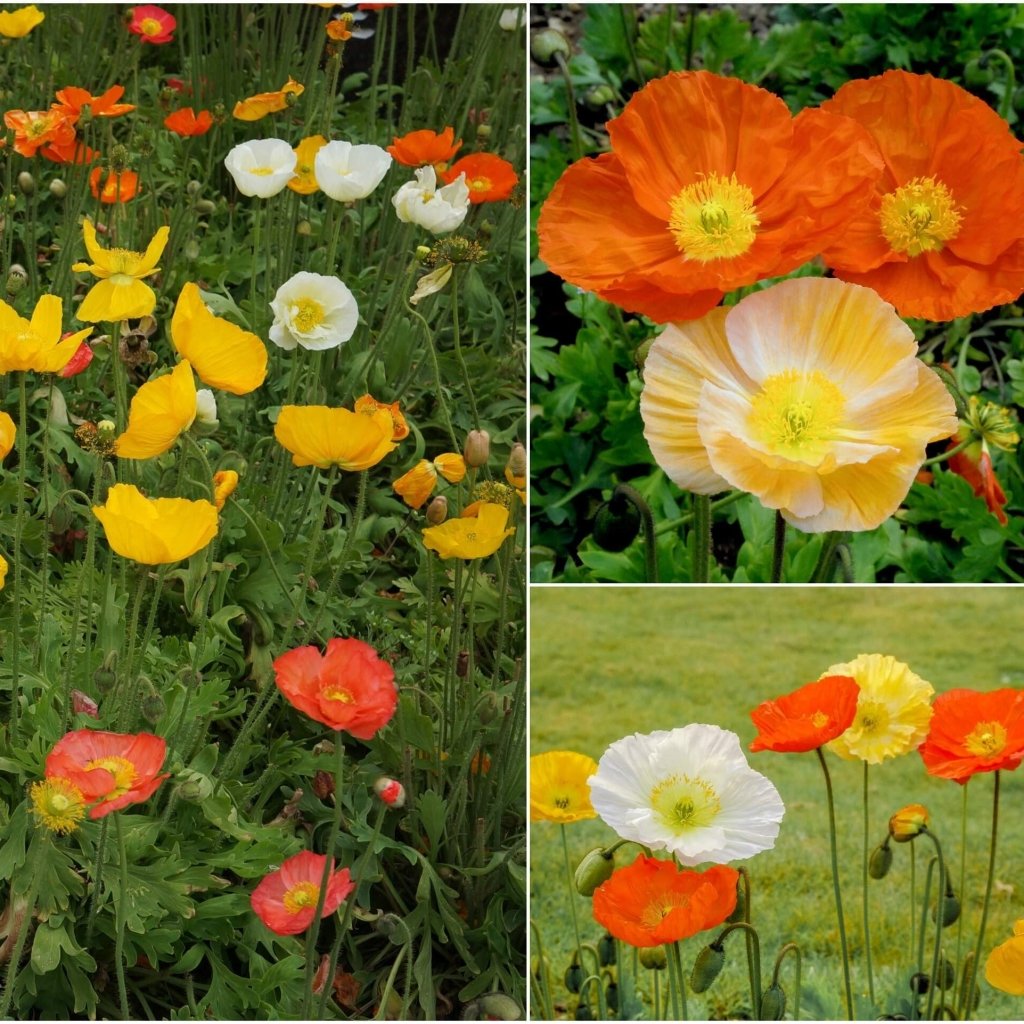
319 436
46 319
416 486
8 432
99 256
153 252
117 298
160 411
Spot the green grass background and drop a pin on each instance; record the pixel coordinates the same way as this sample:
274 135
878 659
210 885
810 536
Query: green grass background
607 662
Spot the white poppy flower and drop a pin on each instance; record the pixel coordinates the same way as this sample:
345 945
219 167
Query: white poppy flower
314 311
689 791
261 167
346 172
206 407
436 209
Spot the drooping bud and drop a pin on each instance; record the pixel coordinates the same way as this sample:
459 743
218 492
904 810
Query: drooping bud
583 1012
773 1003
26 183
740 911
616 524
153 708
595 869
437 510
653 958
204 207
708 965
478 448
487 707
908 823
390 791
498 1006
611 996
606 950
394 929
304 228
105 675
920 983
949 907
881 860
83 704
193 188
946 976
599 96
574 976
547 44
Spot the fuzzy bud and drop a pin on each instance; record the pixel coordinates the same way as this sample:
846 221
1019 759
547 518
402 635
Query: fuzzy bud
437 510
547 44
946 976
574 977
881 860
304 228
653 958
606 951
487 708
58 189
583 1012
193 188
26 183
192 250
908 823
17 278
205 207
599 96
105 675
390 791
478 448
498 1006
950 908
616 524
773 1003
195 786
483 131
83 704
153 708
920 983
611 996
594 870
394 929
707 967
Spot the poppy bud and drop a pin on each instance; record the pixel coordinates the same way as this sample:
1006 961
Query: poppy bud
26 183
422 252
487 708
153 708
119 158
599 96
611 996
105 675
394 929
707 967
323 784
437 510
881 860
390 791
83 704
304 228
654 958
195 786
17 278
606 950
462 664
574 976
616 524
583 1012
483 131
12 201
547 44
773 1003
498 1006
205 207
595 868
515 468
478 448
58 189
106 430
920 983
908 823
193 188
950 908
946 976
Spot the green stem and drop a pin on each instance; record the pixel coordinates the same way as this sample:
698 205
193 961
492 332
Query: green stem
1006 106
701 538
915 1008
673 984
967 1000
779 548
97 882
19 525
864 893
835 884
755 988
790 947
457 340
824 571
122 914
126 691
936 460
575 138
668 525
636 499
940 907
572 895
677 958
963 882
913 908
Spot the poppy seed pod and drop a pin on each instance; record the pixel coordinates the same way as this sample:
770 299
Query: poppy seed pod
653 958
707 967
595 868
478 448
881 860
773 1003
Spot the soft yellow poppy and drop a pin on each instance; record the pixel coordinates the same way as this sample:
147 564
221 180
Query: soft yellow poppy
451 465
305 154
417 485
263 103
224 484
155 531
161 410
222 354
1004 968
15 24
319 436
120 294
35 344
8 432
559 790
470 537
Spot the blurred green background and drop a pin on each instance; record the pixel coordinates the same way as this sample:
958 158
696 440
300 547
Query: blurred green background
607 662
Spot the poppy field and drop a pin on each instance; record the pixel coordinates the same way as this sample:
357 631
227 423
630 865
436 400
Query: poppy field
262 692
777 330
814 824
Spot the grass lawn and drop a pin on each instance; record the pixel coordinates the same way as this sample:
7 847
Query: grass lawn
609 662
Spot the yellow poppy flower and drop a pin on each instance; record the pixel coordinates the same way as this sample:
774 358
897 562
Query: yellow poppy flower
452 466
15 24
222 354
35 344
368 404
161 410
305 154
559 790
7 434
319 436
1004 968
474 537
155 531
893 709
120 294
417 485
224 484
263 103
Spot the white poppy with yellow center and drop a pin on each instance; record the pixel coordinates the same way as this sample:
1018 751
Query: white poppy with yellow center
261 167
689 791
314 311
808 395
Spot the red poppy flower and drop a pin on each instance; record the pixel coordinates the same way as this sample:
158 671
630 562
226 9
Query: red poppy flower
118 186
187 122
285 900
807 718
348 688
974 464
72 99
711 184
488 177
79 361
152 24
652 902
416 149
974 732
939 240
115 769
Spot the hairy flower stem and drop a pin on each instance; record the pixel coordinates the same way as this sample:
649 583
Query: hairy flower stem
126 689
457 339
790 947
940 903
963 884
675 958
835 884
636 499
97 881
755 986
701 539
825 570
19 526
122 915
438 379
913 908
572 894
779 548
864 893
914 1006
967 997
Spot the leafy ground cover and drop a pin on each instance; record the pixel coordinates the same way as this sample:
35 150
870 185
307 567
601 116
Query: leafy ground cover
151 776
643 660
588 444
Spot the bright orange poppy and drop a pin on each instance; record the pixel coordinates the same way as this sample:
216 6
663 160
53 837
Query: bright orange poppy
255 107
69 149
187 122
711 184
34 129
807 718
117 187
417 149
974 732
652 902
939 239
72 99
488 177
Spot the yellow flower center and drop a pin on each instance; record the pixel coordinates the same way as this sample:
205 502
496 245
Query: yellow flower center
819 719
300 896
796 413
151 26
120 767
872 717
714 219
986 740
920 216
58 804
262 172
683 804
335 691
562 802
125 261
307 314
660 907
40 126
479 184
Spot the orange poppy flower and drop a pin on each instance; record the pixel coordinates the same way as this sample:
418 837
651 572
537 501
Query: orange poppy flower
69 149
34 129
711 184
369 405
285 900
114 769
974 464
348 688
807 718
187 122
652 902
939 240
488 177
417 149
118 187
974 732
263 103
339 29
71 99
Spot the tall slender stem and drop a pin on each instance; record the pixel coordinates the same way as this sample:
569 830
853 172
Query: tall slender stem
963 882
122 913
457 339
677 958
864 892
967 997
940 909
572 895
19 524
701 538
835 884
779 548
824 571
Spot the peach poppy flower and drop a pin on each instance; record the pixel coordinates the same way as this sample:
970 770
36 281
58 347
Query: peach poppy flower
348 688
152 24
113 769
186 122
488 177
939 240
711 184
285 900
34 129
416 149
72 99
653 902
808 395
118 187
807 718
